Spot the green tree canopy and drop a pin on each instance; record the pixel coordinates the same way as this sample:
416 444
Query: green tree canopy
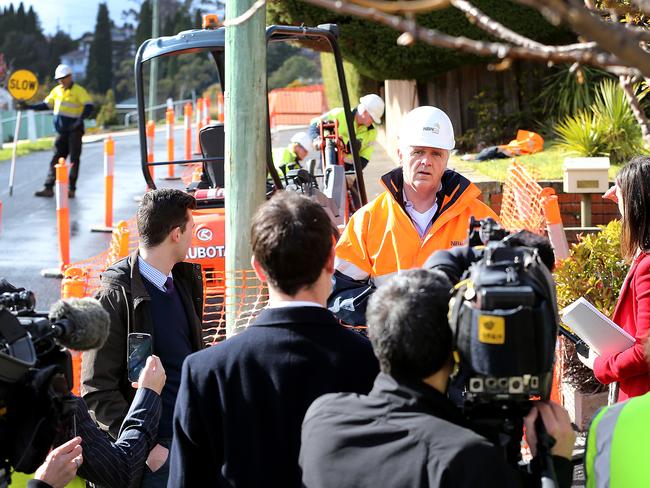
372 47
99 74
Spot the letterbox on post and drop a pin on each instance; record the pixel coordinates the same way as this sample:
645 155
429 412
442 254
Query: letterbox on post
586 176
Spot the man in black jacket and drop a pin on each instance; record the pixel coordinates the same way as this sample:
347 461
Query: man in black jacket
406 432
241 403
153 292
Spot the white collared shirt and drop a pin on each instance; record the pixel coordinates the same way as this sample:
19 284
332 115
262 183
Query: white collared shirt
153 275
422 221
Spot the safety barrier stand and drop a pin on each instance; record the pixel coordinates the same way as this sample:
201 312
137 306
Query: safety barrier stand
119 247
169 125
187 121
554 226
206 111
109 170
62 221
75 285
220 108
199 124
151 135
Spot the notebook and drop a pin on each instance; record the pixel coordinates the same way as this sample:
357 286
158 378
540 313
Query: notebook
600 333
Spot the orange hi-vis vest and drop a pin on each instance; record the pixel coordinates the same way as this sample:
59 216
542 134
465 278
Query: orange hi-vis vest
381 239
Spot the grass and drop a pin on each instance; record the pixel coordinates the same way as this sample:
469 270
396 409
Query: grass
28 147
546 165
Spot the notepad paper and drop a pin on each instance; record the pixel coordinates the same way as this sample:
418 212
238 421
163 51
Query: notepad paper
600 333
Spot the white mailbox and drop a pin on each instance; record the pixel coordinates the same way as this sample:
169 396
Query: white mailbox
586 175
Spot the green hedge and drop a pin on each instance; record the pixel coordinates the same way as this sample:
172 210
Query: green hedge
372 47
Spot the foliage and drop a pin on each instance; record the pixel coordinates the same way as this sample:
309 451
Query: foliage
277 53
607 127
357 84
297 67
567 91
143 28
107 114
26 147
581 135
595 270
374 51
99 73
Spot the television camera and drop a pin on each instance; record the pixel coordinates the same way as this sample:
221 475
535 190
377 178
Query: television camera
36 372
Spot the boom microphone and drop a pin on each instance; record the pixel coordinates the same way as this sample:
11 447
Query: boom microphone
80 323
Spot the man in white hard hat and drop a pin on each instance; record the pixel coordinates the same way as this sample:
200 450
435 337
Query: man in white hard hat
71 105
426 207
365 116
288 158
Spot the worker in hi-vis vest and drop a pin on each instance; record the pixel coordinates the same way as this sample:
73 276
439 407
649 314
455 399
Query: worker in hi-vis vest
288 158
71 104
365 116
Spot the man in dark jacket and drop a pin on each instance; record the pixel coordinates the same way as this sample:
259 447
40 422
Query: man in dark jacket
153 292
241 403
406 432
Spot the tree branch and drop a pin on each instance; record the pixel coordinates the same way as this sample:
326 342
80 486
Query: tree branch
639 114
401 6
610 37
556 54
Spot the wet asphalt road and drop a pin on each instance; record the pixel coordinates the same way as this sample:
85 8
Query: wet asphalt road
28 234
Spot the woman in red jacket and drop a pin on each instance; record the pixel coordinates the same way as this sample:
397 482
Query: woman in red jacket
630 367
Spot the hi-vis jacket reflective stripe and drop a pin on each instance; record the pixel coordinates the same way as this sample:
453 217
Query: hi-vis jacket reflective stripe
68 103
366 135
381 240
617 445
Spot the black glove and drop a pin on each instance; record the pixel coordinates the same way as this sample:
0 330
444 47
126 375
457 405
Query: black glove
22 105
78 124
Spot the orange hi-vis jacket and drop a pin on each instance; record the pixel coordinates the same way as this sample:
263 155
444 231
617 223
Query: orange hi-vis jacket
381 239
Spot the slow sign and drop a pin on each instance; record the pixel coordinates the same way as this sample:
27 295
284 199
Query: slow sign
22 84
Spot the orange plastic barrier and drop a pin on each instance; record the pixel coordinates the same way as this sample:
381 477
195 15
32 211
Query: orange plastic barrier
151 134
187 124
109 170
521 207
199 124
169 126
526 142
62 212
296 106
206 111
221 113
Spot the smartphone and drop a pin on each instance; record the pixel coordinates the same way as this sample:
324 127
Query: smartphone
139 347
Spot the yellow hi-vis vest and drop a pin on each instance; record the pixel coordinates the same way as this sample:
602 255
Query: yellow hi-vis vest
381 239
365 135
68 102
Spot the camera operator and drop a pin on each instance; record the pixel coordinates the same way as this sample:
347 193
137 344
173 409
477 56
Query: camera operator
93 455
406 432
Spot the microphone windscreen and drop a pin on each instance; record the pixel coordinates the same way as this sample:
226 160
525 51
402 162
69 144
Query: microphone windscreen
87 323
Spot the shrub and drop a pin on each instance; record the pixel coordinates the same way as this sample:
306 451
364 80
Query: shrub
608 127
594 270
296 67
107 114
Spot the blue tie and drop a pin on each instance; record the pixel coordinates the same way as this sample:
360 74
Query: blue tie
169 285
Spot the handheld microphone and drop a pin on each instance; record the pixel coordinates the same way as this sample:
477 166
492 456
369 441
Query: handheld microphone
80 323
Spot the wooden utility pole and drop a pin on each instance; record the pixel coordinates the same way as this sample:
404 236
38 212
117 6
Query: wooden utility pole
153 73
245 159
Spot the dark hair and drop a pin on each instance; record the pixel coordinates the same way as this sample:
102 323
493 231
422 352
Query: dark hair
292 238
408 325
542 244
160 211
634 182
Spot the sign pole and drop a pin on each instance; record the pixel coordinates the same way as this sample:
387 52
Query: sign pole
12 171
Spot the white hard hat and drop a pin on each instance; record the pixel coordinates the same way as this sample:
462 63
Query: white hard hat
303 139
62 71
374 105
427 126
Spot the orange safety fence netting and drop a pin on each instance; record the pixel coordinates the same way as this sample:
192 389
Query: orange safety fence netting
297 105
521 206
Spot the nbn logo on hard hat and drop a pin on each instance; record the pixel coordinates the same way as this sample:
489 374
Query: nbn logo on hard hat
435 128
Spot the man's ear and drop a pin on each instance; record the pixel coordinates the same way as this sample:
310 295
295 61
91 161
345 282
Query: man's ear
259 271
175 234
329 264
